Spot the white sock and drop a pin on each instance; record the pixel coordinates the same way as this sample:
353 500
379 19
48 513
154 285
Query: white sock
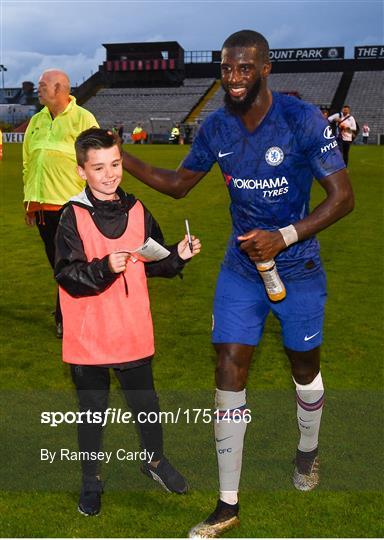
310 399
229 436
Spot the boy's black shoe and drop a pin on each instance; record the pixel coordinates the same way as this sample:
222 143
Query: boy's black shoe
90 497
167 476
224 517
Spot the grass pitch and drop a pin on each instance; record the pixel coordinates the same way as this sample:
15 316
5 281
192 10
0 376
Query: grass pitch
39 500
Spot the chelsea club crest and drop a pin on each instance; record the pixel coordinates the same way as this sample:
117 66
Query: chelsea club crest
274 156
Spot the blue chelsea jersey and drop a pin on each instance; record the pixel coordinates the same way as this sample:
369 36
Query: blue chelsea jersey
268 172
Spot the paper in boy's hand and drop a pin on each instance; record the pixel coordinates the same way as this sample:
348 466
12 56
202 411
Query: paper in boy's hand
149 251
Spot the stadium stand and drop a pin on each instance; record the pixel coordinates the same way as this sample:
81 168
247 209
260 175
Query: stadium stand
215 102
128 106
317 88
365 97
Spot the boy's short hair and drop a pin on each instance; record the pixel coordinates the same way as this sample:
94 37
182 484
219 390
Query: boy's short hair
94 138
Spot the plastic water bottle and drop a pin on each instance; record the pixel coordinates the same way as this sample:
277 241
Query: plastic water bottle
273 285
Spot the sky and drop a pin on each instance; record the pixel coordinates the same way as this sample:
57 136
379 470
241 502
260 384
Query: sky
37 35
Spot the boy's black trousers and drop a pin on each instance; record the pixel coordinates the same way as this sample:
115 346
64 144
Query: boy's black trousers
92 386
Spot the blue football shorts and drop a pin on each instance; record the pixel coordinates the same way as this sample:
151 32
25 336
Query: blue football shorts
241 307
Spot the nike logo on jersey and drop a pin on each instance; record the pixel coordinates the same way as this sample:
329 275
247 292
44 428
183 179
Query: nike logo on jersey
225 154
225 438
307 338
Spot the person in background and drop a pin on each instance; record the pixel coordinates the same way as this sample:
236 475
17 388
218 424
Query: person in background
139 135
174 137
347 128
325 112
49 161
119 129
365 130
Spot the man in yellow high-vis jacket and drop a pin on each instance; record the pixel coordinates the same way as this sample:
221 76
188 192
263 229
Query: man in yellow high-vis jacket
49 162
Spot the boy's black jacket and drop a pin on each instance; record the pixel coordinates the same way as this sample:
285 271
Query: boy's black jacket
82 278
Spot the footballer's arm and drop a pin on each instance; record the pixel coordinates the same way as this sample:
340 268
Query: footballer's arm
174 183
339 201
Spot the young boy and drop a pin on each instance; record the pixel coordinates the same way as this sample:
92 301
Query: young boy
105 304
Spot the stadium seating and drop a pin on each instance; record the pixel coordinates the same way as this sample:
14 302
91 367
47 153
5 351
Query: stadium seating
317 88
365 97
128 106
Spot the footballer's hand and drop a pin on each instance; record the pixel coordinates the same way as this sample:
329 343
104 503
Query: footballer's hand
183 248
30 220
261 245
117 262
